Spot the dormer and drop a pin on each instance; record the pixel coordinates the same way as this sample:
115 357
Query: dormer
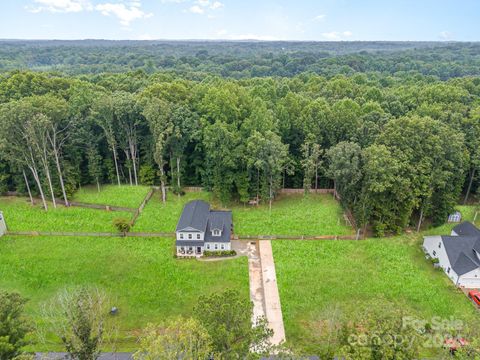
216 232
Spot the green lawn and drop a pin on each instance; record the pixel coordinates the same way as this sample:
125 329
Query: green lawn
468 214
21 216
291 215
316 277
124 195
140 275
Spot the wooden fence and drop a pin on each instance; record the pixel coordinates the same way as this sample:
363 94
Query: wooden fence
295 237
142 205
301 191
89 234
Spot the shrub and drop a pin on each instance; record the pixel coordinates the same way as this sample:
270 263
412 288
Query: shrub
147 175
177 190
221 253
122 224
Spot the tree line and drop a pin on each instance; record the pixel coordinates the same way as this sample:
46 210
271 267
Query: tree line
398 150
243 59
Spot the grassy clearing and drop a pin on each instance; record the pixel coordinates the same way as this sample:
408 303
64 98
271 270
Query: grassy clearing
21 216
140 275
124 196
291 215
468 214
317 277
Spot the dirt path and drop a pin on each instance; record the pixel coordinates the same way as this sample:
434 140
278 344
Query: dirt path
250 249
263 284
273 308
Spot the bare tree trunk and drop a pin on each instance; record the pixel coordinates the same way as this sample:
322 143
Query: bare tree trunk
420 220
28 188
316 178
60 175
271 194
472 174
98 185
34 171
127 154
133 153
162 184
116 164
50 185
178 172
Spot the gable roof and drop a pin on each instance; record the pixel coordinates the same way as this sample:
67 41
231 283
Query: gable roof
194 216
466 228
221 220
461 249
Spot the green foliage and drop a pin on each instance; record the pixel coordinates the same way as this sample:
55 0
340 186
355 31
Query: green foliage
147 175
221 253
123 225
14 327
178 339
227 318
79 319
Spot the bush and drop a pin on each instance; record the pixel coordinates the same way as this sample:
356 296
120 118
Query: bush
178 191
147 175
221 253
122 224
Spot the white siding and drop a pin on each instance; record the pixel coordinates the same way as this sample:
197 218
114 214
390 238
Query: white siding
194 235
210 246
470 280
434 247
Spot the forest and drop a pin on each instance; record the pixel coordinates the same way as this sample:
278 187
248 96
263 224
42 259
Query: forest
395 130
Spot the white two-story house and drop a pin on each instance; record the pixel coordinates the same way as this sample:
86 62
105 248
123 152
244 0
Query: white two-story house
201 228
458 254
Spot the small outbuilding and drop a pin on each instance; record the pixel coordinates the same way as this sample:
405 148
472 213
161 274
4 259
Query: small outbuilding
201 229
458 254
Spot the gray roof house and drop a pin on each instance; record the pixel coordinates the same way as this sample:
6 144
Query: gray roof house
200 228
458 254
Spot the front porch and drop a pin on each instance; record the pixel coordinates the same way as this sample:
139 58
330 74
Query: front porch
190 251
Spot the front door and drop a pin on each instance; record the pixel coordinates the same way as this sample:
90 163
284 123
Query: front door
199 250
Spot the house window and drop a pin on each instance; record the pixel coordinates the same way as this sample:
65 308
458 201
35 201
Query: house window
439 245
208 246
182 248
190 236
181 236
190 248
216 246
434 253
198 236
223 247
448 271
216 232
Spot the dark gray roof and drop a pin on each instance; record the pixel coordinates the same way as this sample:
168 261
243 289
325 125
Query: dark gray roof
466 228
219 220
460 253
194 216
64 356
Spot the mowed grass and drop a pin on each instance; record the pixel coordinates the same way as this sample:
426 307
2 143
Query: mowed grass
140 276
296 215
317 277
21 216
123 196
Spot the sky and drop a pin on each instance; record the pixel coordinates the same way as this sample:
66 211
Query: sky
319 20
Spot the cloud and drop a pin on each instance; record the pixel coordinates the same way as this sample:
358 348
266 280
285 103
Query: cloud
445 35
196 9
205 7
59 6
336 35
320 17
124 13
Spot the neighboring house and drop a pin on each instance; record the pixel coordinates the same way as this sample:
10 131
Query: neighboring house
201 228
458 254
